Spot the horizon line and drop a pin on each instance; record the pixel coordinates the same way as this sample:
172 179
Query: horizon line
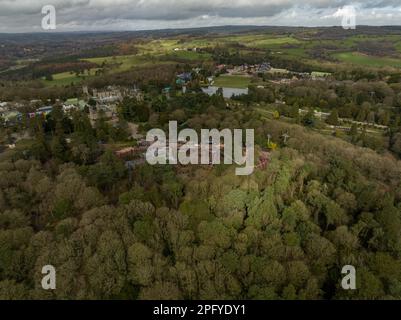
193 28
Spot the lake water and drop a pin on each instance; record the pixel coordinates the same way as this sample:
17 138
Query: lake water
227 92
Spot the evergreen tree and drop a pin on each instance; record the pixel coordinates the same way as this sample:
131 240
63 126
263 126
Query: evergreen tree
333 118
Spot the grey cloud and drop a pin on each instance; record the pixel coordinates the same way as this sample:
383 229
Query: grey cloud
20 15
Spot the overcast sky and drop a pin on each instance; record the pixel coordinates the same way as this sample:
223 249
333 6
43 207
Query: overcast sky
107 15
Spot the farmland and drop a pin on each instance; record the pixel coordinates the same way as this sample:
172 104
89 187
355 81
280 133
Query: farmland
67 78
318 53
232 81
365 60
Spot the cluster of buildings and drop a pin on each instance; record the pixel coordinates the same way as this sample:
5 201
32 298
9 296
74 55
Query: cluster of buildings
324 115
249 69
183 78
9 112
294 76
74 104
281 76
133 152
106 100
108 95
137 155
186 49
319 75
112 94
12 113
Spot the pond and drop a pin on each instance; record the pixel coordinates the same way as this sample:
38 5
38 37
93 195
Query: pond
227 92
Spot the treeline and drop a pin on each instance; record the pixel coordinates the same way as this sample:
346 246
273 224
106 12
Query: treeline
39 70
158 75
27 90
231 55
371 101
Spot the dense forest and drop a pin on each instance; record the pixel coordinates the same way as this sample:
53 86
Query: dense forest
194 232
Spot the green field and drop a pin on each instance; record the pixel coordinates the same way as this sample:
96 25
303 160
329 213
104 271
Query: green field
67 78
249 40
261 41
362 59
232 81
125 63
158 47
275 70
121 63
188 55
274 42
115 64
111 64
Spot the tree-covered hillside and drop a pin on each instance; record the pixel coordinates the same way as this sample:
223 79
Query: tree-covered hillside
200 233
